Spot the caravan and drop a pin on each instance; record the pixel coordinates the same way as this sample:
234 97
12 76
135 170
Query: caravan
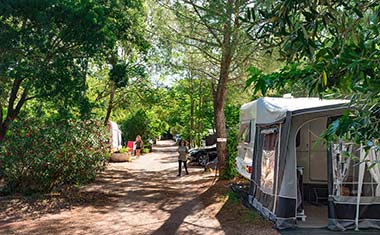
246 139
296 179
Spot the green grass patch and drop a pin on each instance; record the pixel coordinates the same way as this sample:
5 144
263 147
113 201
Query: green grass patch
233 198
248 216
238 210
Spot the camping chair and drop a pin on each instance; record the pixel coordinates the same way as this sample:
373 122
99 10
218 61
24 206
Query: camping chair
213 165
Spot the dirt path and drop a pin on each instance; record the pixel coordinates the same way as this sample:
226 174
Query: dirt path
141 197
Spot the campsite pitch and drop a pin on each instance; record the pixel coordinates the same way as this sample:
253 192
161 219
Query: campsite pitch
139 197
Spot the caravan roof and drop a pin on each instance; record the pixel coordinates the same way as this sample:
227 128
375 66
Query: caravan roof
268 110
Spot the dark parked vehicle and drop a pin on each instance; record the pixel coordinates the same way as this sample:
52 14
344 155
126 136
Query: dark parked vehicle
203 155
177 138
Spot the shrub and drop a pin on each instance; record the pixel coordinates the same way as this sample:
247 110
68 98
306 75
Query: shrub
146 150
124 150
144 123
43 157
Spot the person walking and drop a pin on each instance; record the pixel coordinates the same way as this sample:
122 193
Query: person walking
139 145
182 157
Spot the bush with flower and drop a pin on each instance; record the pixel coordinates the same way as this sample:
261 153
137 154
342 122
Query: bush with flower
47 156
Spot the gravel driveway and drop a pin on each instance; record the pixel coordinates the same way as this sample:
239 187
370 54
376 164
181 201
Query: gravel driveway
139 197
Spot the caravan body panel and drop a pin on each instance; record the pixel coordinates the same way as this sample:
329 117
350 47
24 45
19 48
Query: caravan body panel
275 193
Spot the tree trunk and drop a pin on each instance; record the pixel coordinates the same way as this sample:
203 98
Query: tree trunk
191 121
191 137
220 119
201 112
3 131
4 125
12 110
221 134
110 104
221 90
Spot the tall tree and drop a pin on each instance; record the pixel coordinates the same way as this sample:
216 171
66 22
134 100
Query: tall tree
46 48
126 59
214 29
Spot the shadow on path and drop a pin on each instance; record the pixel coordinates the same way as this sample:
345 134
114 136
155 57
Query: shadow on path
178 214
141 197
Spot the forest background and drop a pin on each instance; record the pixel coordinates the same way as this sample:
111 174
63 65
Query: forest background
180 67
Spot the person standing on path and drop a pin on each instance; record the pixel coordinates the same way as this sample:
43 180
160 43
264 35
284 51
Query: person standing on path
182 156
139 145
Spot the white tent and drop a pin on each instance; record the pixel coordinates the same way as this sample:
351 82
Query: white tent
270 110
116 136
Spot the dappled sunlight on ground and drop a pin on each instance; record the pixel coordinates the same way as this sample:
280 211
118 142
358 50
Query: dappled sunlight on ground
140 197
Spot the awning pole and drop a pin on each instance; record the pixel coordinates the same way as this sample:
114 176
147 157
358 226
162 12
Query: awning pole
276 170
360 184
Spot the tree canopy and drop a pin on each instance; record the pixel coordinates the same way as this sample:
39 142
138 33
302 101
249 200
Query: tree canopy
211 32
332 48
184 66
47 48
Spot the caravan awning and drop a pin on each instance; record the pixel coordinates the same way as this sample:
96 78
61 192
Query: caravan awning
268 110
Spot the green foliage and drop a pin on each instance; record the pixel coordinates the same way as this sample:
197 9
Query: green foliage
121 73
232 115
233 197
210 51
286 80
45 156
136 124
157 123
48 45
48 48
124 150
146 150
118 74
232 143
336 49
180 116
244 214
143 123
250 216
